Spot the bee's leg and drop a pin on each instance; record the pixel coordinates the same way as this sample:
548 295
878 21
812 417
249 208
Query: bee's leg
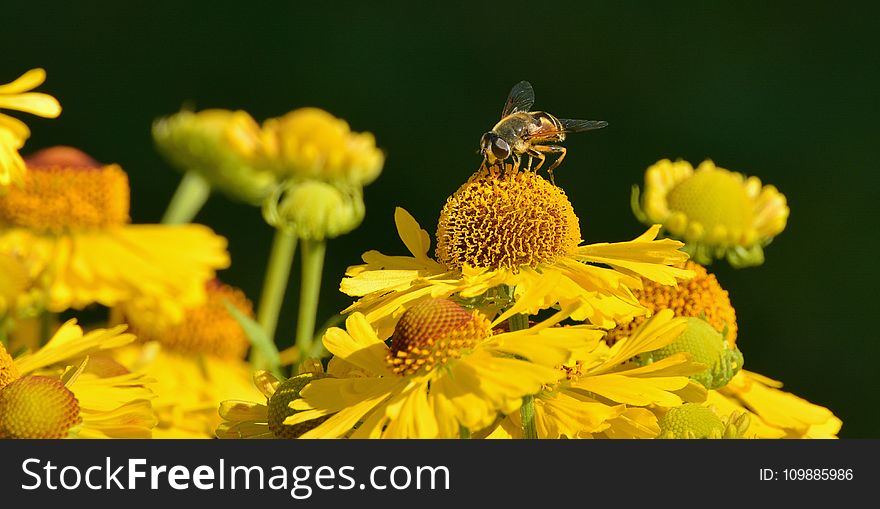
552 149
537 154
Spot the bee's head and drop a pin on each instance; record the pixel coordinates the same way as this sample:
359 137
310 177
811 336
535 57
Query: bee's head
494 147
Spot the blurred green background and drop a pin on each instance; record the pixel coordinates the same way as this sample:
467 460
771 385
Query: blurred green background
782 90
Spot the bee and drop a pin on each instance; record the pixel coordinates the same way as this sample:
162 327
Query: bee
532 133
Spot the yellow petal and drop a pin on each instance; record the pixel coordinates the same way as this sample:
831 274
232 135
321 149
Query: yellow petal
36 103
27 81
359 345
413 236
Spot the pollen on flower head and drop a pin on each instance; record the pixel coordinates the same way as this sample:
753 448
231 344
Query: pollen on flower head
66 189
701 297
37 407
8 369
505 218
433 332
279 407
205 329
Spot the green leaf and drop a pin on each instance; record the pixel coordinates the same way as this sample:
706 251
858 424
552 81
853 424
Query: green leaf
260 341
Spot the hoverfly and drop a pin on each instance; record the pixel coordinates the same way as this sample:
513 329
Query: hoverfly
532 133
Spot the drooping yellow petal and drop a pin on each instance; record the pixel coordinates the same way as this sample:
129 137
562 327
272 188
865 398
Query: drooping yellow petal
633 423
348 399
70 343
633 390
232 410
659 331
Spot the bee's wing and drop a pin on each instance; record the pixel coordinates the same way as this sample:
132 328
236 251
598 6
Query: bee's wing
521 98
571 125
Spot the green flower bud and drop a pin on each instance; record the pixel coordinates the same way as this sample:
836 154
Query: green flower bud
692 420
279 407
315 210
706 346
216 144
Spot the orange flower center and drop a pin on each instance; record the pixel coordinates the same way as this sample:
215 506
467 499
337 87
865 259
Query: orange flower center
433 332
206 329
66 189
701 297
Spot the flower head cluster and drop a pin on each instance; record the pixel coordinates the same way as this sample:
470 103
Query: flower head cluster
307 168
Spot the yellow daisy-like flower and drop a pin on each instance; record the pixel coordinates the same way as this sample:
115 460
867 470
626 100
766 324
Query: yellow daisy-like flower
216 144
60 391
68 224
701 297
445 371
13 132
197 362
604 395
717 212
313 144
774 413
513 237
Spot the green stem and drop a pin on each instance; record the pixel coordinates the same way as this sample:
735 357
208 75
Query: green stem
464 433
527 410
275 284
527 415
191 194
313 252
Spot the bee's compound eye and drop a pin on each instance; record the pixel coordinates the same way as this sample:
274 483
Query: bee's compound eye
500 149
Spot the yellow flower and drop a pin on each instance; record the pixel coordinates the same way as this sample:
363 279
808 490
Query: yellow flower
313 144
216 144
444 371
13 132
197 362
774 413
512 238
68 224
606 395
206 329
701 297
717 212
65 390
